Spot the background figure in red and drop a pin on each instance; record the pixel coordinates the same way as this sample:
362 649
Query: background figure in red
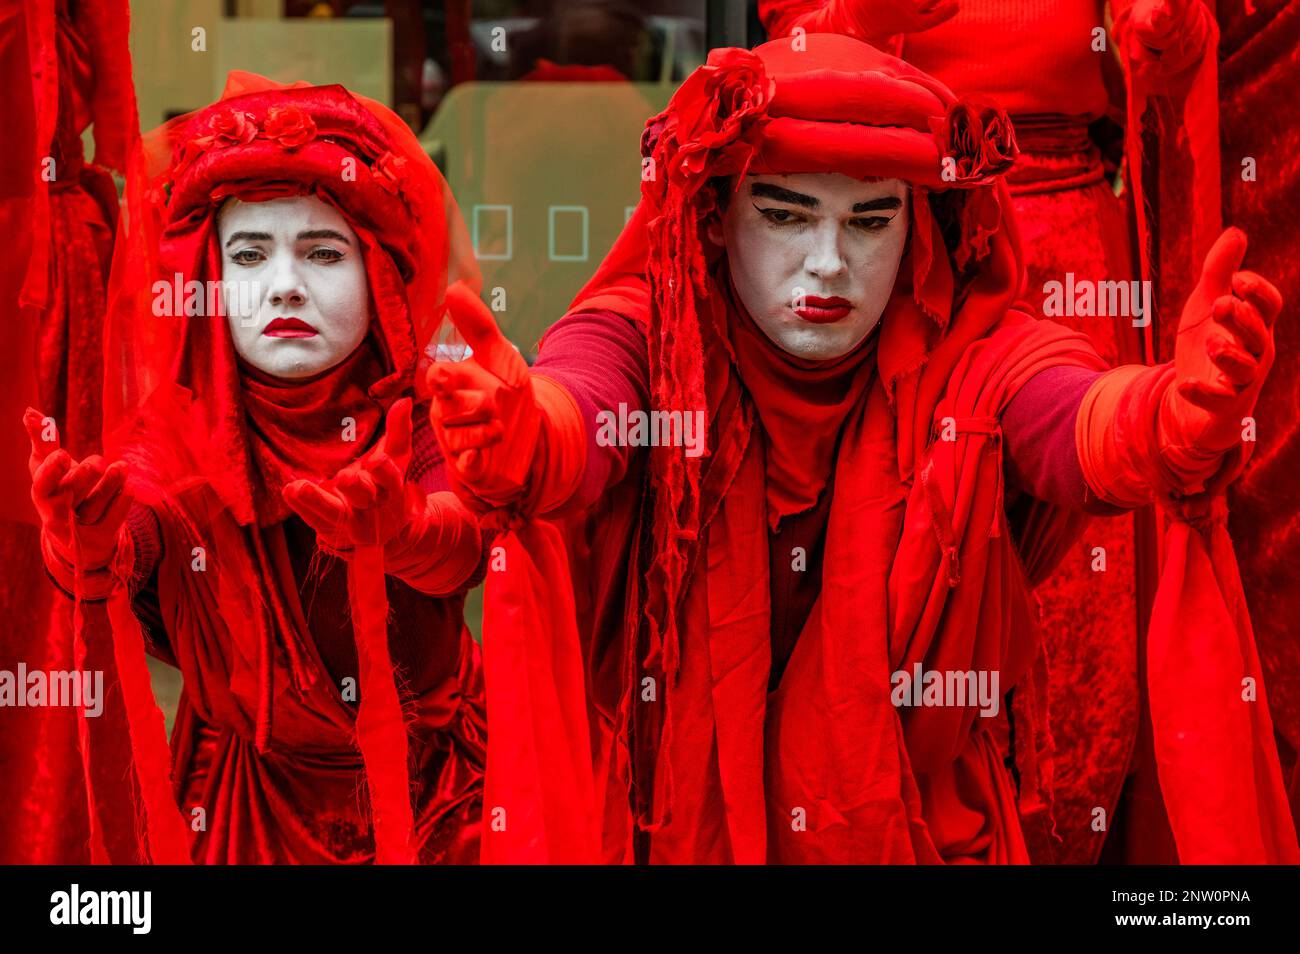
1258 73
66 67
271 495
1051 65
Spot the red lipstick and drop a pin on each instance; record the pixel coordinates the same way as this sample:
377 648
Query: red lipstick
823 311
289 328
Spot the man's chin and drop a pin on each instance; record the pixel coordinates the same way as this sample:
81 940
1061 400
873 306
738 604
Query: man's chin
813 342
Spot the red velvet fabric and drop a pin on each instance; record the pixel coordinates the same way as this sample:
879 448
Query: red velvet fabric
1260 125
65 66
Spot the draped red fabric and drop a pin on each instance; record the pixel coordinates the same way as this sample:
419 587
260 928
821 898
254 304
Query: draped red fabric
1211 731
540 802
802 405
1200 638
1260 129
66 67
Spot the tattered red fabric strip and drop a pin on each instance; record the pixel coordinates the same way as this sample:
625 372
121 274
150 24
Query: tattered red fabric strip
539 799
165 826
381 728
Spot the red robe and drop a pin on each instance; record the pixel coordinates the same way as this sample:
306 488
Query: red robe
1028 57
969 804
304 799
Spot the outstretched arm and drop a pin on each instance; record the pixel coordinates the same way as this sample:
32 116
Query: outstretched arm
82 506
520 442
1182 428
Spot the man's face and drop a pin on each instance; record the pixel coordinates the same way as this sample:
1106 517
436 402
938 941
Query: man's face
311 305
814 256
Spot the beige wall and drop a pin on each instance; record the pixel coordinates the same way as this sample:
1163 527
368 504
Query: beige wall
171 76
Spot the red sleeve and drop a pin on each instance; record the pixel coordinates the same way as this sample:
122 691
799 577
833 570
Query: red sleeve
601 358
1038 427
446 553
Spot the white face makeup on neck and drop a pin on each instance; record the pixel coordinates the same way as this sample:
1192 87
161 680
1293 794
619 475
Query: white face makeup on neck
311 306
814 256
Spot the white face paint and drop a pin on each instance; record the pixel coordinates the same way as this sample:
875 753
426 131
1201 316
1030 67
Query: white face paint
814 256
310 302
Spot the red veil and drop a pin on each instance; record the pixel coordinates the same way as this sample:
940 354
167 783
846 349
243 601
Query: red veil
211 452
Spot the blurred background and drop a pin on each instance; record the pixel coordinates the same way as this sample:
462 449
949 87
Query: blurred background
532 109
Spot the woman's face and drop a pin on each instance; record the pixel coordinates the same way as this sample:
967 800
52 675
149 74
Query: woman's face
814 256
305 282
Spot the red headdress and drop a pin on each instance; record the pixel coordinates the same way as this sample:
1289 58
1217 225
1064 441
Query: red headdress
189 417
260 141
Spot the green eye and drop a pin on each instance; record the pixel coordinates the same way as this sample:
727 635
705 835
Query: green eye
246 256
325 254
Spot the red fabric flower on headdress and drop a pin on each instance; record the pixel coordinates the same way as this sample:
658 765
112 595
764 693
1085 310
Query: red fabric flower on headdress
979 141
289 126
707 129
233 128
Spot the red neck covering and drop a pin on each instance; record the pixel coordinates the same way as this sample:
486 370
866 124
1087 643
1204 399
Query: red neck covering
291 423
801 403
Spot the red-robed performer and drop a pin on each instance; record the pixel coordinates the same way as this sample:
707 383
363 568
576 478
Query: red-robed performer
274 519
893 447
1055 67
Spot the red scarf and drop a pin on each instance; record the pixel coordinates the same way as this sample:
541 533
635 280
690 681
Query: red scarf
801 403
296 429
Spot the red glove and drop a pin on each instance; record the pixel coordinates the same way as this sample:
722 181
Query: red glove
368 502
82 507
1222 355
1167 431
477 402
430 542
874 21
